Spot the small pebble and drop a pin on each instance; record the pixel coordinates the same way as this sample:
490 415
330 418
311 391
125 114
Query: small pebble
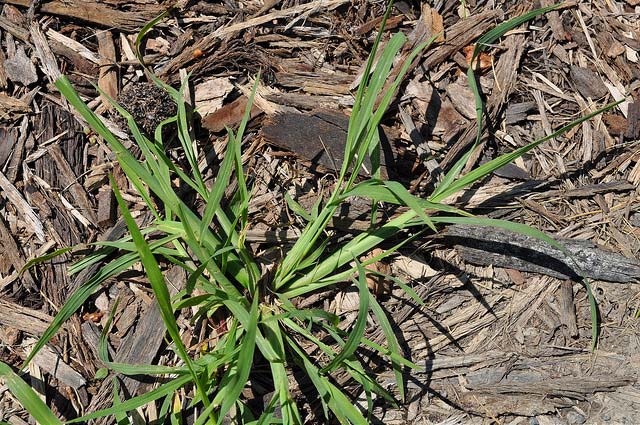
575 418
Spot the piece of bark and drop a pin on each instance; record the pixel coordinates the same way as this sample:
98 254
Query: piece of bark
106 208
319 137
75 46
25 319
48 62
502 248
616 124
11 107
18 151
573 387
12 257
517 112
19 68
13 29
633 118
208 42
210 95
24 209
100 13
555 23
229 115
50 361
3 72
587 82
308 102
9 137
69 180
567 308
589 191
108 78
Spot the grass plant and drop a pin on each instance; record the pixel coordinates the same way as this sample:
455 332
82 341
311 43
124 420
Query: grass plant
224 277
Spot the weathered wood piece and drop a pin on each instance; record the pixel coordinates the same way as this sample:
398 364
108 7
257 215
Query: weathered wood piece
24 209
319 137
140 347
567 308
100 13
12 257
48 62
587 82
25 319
502 248
66 176
108 79
574 387
18 151
106 208
50 361
19 68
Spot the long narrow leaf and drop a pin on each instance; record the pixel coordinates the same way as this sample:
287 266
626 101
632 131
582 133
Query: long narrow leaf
27 397
357 332
482 43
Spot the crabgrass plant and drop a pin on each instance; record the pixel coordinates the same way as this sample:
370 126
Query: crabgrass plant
223 276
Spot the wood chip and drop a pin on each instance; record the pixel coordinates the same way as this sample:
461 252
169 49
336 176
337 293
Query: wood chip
20 69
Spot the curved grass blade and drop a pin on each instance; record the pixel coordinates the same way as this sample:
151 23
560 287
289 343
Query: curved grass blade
43 258
335 399
482 43
78 298
163 390
392 341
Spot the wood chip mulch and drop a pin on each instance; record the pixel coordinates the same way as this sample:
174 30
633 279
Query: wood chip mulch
505 333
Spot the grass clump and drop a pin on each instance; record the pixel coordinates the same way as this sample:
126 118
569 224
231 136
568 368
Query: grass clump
224 276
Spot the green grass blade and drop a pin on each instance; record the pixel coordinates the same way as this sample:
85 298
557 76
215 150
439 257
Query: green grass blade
218 189
156 279
27 397
78 298
163 390
297 208
275 338
44 258
357 332
487 168
335 399
392 342
355 124
236 377
482 43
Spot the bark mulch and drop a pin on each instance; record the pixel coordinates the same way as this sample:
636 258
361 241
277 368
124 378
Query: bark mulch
505 333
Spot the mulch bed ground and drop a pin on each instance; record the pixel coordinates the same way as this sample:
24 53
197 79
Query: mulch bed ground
505 332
